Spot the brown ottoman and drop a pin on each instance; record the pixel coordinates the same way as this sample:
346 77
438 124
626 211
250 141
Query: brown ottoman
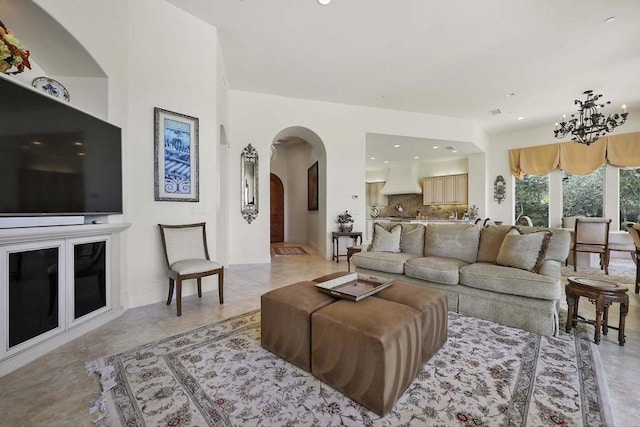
432 304
285 320
369 350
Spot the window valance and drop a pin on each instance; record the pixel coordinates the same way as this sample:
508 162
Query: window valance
622 151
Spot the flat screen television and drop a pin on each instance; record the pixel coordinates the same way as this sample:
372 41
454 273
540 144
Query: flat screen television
54 158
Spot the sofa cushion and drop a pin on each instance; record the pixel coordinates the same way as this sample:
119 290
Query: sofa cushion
559 244
434 269
491 237
386 241
459 241
524 251
388 262
412 239
511 281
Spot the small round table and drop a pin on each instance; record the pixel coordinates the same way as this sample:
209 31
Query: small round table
602 294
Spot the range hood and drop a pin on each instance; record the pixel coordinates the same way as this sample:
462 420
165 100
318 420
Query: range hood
401 180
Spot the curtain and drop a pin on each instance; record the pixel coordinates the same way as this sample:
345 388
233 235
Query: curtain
576 159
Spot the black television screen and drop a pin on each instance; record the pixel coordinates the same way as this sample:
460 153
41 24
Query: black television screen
55 159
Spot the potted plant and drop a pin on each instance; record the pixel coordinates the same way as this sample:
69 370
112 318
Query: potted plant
346 221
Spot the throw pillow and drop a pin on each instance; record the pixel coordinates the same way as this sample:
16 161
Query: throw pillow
412 239
524 251
386 241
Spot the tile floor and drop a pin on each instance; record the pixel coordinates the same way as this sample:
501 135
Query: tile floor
56 391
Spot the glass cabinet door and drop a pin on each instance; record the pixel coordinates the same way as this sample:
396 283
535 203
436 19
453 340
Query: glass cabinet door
89 278
33 293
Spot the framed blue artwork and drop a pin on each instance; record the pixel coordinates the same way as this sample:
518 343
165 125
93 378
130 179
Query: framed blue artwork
176 156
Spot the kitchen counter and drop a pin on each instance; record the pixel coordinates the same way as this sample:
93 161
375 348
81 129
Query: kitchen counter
423 221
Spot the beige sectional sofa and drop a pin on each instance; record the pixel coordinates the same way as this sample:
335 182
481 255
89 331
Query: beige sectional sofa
506 274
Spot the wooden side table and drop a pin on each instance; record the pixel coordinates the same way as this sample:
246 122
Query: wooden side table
350 251
602 294
355 235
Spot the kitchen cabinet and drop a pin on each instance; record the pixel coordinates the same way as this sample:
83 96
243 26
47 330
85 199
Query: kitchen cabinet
445 190
455 189
433 190
374 198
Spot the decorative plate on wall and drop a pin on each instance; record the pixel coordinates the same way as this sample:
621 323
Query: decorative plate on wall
51 87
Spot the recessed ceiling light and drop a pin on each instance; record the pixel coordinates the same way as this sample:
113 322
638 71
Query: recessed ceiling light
416 157
373 158
520 118
610 19
396 146
324 2
386 161
454 151
37 143
78 143
435 147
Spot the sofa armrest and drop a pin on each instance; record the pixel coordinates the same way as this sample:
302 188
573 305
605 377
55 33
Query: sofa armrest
551 268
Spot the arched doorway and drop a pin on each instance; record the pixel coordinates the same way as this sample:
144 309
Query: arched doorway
294 150
277 209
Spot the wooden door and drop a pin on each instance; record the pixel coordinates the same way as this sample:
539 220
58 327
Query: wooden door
277 209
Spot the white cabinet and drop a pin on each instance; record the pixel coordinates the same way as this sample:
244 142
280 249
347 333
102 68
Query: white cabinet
374 198
445 190
56 283
455 189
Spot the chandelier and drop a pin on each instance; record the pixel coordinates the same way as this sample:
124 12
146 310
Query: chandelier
590 124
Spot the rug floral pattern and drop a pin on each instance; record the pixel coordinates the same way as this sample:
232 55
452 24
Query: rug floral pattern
485 375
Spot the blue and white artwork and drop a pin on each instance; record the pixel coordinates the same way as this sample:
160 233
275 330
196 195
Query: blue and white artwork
177 160
176 156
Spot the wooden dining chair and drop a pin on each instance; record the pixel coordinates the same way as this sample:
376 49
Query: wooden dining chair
634 231
187 257
591 235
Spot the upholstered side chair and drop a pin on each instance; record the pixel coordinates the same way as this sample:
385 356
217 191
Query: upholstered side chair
592 235
525 220
187 256
634 230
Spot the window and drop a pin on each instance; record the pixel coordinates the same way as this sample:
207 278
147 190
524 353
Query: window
583 194
629 195
532 199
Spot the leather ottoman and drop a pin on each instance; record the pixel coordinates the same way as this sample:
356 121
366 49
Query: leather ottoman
432 303
370 350
285 319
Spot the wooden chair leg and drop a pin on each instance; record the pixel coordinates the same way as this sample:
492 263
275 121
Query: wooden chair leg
638 276
606 256
221 286
179 296
199 287
575 264
170 291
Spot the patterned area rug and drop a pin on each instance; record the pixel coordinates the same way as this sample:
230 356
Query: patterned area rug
485 375
289 250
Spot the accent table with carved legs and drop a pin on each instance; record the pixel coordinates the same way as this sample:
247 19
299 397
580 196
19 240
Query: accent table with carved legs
602 294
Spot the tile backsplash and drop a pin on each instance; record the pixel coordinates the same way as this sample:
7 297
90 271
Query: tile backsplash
412 207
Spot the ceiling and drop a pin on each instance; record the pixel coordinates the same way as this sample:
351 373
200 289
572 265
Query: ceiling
454 58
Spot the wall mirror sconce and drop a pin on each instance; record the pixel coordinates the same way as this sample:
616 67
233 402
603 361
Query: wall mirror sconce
249 184
499 189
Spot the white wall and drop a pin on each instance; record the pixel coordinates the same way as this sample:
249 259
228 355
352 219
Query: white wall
498 164
147 68
257 118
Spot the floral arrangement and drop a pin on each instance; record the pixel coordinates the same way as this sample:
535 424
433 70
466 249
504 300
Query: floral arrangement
12 54
345 218
346 221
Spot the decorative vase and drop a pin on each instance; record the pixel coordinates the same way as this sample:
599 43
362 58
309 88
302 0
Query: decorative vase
346 227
